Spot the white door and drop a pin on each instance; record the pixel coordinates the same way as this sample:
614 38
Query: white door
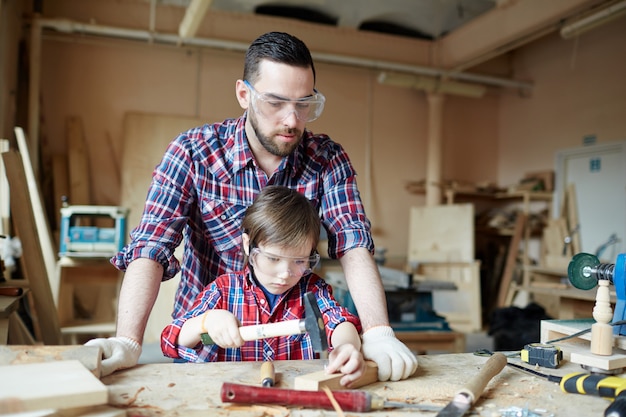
599 175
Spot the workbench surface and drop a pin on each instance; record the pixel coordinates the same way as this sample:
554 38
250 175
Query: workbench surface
193 389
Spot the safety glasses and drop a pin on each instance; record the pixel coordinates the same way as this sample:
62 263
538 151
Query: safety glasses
271 264
276 107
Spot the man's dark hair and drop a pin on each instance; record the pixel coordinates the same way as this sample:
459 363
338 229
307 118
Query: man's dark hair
278 47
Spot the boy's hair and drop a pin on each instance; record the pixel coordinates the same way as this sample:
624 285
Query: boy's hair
282 217
278 47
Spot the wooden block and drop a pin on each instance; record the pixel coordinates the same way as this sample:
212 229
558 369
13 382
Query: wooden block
89 356
316 380
41 283
461 308
441 233
49 385
97 411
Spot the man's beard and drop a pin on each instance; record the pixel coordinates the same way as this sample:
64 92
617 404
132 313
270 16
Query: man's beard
274 147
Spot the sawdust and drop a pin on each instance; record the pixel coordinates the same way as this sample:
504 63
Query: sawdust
131 401
266 410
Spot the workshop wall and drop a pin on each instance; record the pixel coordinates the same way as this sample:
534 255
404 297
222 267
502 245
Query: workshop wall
382 127
579 90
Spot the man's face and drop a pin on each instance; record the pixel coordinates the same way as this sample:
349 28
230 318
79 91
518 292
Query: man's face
278 131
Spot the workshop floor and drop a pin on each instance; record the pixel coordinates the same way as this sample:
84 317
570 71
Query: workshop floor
473 341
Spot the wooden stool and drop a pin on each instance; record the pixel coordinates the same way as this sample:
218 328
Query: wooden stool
429 340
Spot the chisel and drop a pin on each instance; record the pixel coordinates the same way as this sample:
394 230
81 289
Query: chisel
268 374
348 400
464 399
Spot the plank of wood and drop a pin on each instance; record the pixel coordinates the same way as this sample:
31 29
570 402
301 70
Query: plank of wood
4 194
507 276
60 176
78 162
316 380
42 226
573 222
441 233
89 356
461 308
49 385
33 262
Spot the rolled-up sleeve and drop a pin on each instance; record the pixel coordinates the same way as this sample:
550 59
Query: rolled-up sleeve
343 213
165 213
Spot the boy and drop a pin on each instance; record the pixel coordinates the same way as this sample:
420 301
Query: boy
280 233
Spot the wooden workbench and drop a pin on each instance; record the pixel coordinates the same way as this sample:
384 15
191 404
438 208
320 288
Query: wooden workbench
194 389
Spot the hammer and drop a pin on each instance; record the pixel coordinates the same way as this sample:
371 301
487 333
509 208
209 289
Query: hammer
312 323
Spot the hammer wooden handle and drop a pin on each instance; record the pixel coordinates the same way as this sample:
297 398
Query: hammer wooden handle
263 331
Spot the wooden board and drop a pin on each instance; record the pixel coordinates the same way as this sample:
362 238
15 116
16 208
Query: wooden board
33 261
44 234
49 385
505 293
78 162
461 308
4 194
88 356
441 234
146 137
316 380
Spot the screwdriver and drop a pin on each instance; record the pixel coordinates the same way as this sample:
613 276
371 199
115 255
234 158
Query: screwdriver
618 407
598 385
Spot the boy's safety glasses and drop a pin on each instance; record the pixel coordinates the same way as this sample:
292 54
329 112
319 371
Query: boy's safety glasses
271 264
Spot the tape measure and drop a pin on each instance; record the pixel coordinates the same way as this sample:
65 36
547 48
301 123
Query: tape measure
541 354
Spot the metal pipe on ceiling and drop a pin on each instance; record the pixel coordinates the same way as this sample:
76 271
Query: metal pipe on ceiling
69 27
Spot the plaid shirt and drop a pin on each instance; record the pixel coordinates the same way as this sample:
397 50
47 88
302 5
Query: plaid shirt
239 294
202 187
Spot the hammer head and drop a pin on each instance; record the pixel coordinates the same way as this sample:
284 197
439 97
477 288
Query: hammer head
314 324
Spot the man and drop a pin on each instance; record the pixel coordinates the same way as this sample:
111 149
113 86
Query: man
211 174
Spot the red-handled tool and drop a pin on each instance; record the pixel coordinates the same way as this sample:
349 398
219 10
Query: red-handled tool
11 291
349 400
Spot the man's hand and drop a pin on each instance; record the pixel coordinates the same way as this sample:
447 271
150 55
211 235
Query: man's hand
395 361
117 353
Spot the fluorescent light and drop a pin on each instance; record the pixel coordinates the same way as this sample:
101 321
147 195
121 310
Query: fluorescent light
594 20
193 17
431 84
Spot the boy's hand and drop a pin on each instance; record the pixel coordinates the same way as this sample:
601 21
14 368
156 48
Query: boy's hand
349 361
223 327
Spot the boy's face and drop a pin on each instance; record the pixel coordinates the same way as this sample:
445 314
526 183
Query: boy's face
278 269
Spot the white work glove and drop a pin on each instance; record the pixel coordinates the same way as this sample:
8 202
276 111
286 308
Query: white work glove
394 359
117 353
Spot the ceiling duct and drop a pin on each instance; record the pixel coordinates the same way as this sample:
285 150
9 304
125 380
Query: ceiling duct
432 84
193 17
594 20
